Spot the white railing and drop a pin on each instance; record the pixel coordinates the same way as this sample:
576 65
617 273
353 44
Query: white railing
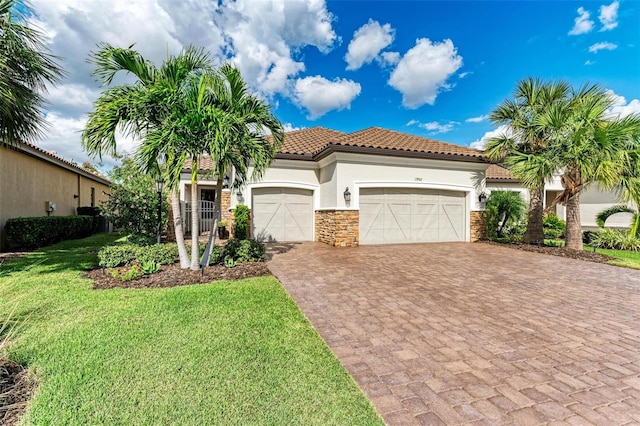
207 215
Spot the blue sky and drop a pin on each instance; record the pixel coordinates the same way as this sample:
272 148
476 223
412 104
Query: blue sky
430 68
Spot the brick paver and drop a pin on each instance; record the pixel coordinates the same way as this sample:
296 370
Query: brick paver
475 333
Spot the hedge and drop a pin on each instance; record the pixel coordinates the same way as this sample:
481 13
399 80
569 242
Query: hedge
34 232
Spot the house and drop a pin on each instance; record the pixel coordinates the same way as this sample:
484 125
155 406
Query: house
374 186
34 182
593 199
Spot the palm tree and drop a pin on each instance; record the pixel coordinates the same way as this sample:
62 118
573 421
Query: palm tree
589 145
141 109
245 140
519 148
26 67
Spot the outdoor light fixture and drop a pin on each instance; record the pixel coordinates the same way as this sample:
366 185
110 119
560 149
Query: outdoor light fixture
159 188
347 195
225 182
240 196
482 197
76 196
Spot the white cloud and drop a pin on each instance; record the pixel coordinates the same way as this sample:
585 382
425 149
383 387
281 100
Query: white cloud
477 119
264 39
498 132
288 127
389 58
583 24
464 74
367 43
319 95
620 107
609 16
423 71
594 48
589 62
434 127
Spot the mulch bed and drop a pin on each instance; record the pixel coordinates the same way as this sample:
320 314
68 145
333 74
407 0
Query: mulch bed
589 256
173 275
15 391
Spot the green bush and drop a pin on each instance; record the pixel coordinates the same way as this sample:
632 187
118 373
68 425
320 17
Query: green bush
589 237
241 218
118 255
34 232
124 254
617 240
244 250
554 227
503 215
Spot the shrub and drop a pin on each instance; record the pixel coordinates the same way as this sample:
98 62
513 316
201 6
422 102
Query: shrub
554 227
34 232
617 240
589 237
132 207
118 255
94 212
124 254
241 218
244 250
503 214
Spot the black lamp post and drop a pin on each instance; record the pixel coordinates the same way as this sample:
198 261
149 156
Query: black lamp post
159 187
347 195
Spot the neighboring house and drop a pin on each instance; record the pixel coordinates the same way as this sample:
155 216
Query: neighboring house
374 186
593 200
32 181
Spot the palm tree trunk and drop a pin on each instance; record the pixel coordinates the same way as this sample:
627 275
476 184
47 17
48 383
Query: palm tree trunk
195 215
573 240
218 205
179 229
535 229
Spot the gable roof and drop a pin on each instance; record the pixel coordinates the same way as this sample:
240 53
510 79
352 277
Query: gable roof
496 173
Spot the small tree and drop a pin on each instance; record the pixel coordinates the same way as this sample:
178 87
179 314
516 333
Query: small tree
502 207
132 206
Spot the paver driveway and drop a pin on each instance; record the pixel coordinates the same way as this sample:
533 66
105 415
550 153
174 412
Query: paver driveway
462 333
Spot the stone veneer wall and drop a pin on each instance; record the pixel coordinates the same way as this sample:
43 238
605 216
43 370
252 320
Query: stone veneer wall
338 228
477 225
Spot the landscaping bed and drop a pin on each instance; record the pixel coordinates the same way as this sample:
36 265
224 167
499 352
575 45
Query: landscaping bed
559 251
173 275
15 391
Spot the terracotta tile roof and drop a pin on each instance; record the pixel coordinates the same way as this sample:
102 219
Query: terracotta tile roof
205 163
376 137
497 173
309 141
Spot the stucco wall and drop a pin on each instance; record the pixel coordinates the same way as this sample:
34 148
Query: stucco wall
26 183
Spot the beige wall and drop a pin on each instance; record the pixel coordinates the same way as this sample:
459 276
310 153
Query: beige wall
27 182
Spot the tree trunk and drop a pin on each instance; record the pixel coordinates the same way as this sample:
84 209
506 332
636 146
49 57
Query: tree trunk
573 240
195 215
535 229
179 229
218 205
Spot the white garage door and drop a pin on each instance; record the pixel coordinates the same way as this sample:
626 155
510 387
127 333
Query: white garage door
282 214
389 216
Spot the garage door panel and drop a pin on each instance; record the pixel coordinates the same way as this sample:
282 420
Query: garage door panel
409 215
282 214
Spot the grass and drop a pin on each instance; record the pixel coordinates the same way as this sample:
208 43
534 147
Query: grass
624 258
220 353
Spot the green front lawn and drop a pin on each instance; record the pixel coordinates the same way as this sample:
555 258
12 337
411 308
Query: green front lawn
628 259
221 353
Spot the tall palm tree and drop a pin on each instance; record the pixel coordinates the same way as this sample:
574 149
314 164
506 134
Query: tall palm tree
520 147
245 141
26 67
589 145
142 108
